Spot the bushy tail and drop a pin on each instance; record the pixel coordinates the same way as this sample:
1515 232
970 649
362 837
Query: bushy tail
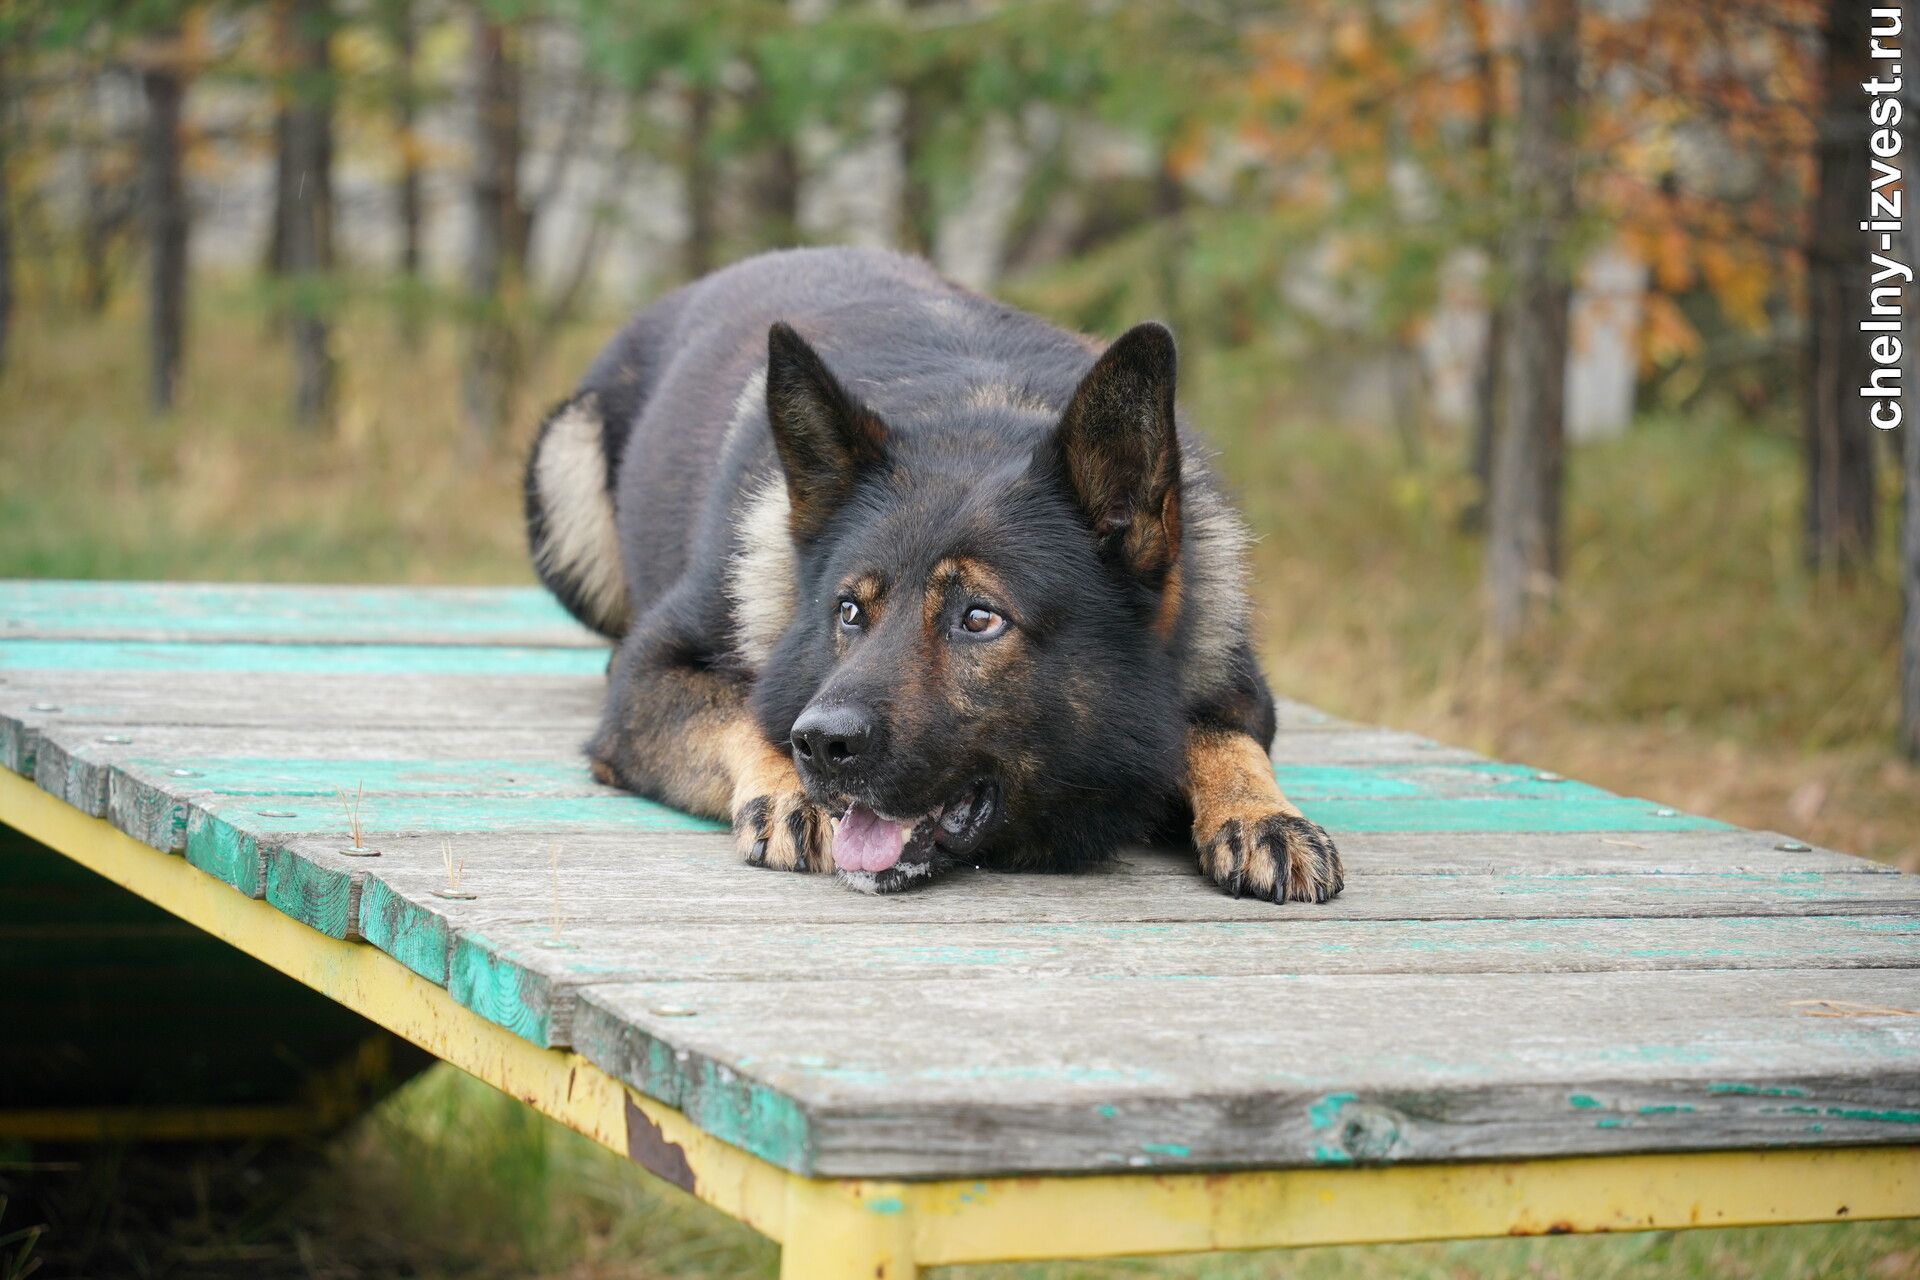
570 528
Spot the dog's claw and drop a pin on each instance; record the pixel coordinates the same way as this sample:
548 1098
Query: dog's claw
784 831
1280 857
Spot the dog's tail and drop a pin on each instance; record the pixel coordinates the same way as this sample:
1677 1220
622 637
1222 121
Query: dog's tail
570 528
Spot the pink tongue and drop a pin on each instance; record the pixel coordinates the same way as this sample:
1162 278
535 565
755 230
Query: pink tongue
865 841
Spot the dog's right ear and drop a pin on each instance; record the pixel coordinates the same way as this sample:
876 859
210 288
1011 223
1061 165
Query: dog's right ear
826 439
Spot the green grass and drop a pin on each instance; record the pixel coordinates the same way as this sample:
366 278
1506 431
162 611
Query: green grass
1690 660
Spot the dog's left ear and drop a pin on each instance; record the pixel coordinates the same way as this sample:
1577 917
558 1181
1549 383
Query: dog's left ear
1120 455
826 438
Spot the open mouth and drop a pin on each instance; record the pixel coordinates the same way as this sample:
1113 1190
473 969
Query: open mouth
867 843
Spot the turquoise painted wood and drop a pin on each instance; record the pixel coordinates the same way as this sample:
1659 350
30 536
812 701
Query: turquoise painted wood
302 659
215 611
989 1023
538 794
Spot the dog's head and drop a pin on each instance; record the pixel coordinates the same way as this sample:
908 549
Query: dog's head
978 666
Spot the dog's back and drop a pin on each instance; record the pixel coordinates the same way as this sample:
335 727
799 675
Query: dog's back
684 381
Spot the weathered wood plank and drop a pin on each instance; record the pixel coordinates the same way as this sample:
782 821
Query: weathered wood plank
326 706
528 975
304 658
959 1078
1521 965
184 612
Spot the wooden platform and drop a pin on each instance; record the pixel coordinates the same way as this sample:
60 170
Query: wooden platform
1523 968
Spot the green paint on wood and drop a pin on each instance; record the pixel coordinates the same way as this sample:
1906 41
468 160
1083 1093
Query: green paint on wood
315 895
747 1114
1757 1091
721 1101
886 1206
415 937
1609 1122
1487 778
1323 1154
226 852
318 776
1582 1102
1600 812
213 610
499 990
301 659
1323 1113
1173 1149
392 815
1670 1109
1881 1116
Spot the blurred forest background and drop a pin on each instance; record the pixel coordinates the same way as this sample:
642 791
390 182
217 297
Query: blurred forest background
1525 329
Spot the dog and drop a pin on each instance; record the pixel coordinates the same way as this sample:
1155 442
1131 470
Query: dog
901 578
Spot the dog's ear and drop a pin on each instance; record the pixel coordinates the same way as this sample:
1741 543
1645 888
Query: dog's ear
826 439
1118 451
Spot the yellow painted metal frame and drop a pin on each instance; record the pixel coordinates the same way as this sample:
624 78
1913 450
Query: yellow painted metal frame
836 1229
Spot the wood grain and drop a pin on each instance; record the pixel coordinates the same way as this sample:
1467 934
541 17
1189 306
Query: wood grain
1521 965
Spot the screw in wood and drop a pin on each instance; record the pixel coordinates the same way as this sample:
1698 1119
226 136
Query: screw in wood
43 706
115 739
1666 813
1793 846
1545 776
672 1011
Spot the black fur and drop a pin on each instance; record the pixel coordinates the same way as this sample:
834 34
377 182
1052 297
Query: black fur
918 423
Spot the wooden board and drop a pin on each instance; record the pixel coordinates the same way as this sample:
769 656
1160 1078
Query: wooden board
1521 964
155 611
953 1077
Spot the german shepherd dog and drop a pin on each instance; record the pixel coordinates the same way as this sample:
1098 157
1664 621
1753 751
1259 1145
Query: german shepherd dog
902 578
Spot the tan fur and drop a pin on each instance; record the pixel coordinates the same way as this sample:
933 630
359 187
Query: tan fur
762 576
1215 579
1230 780
581 544
769 801
1000 395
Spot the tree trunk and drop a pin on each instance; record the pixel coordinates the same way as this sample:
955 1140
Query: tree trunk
163 195
497 261
776 195
1489 372
1910 447
308 231
280 37
1488 377
916 193
697 256
1523 538
406 106
1839 441
6 207
1170 245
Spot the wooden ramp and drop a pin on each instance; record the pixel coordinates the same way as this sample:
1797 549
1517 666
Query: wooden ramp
1537 1007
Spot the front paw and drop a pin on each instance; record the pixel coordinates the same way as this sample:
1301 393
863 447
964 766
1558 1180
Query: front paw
784 830
1281 857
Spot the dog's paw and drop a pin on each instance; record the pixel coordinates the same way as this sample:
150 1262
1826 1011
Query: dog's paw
1281 857
785 830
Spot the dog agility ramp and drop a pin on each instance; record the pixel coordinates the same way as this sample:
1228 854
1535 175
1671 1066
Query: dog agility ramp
1537 1006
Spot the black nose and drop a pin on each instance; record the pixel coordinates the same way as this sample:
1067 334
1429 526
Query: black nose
833 740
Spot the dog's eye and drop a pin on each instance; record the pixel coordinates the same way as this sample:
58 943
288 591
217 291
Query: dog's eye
982 623
851 615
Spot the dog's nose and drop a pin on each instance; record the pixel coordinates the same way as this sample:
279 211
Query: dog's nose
833 740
